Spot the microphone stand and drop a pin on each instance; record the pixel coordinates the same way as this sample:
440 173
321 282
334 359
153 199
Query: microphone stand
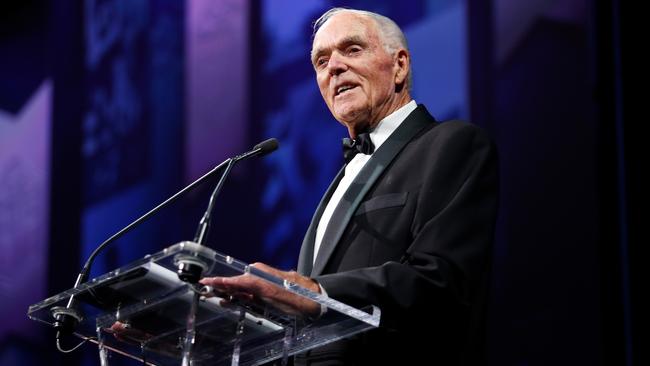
204 224
66 318
190 268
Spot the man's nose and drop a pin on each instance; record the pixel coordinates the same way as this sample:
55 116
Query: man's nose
336 64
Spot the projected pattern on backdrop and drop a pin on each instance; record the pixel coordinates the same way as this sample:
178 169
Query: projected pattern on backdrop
24 197
295 112
132 127
114 151
26 97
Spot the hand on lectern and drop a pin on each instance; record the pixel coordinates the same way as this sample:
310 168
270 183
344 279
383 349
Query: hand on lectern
252 288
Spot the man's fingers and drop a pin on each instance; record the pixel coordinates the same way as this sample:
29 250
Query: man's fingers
243 284
212 281
125 333
250 288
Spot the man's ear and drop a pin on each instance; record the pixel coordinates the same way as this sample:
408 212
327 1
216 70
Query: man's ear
402 66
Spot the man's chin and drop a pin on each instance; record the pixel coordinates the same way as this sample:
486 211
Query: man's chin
349 116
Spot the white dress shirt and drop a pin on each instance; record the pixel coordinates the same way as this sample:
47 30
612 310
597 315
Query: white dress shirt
378 135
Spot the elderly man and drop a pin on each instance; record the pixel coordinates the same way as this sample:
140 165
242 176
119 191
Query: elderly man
407 224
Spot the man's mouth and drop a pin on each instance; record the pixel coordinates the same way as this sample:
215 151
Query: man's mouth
343 89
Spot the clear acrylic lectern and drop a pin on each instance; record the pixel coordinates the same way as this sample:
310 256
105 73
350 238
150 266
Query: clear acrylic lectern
164 321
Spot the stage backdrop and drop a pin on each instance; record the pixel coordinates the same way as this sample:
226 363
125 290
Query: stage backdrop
157 92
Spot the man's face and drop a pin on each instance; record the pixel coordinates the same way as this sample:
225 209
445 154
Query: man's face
355 74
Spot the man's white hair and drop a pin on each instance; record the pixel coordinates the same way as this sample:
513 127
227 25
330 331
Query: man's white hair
392 37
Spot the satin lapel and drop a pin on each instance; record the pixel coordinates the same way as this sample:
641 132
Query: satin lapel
306 258
413 124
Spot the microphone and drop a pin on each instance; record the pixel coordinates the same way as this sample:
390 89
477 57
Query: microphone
190 268
262 149
66 318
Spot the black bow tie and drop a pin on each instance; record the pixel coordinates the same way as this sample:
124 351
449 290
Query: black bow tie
362 144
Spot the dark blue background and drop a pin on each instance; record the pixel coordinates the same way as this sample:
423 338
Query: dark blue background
545 79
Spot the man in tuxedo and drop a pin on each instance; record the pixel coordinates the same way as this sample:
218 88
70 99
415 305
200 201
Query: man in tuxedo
407 224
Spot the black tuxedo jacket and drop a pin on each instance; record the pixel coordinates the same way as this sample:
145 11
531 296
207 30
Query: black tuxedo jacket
412 235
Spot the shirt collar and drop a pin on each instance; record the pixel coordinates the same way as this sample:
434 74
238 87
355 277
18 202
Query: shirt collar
389 124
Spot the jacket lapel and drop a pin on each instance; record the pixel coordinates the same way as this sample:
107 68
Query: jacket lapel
306 258
351 199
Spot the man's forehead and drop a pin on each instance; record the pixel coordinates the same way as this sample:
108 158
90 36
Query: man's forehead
341 26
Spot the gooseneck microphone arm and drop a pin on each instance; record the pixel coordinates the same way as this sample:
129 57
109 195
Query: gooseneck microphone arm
204 224
66 318
190 269
263 148
83 275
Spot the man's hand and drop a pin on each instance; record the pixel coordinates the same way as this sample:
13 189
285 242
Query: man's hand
123 332
253 288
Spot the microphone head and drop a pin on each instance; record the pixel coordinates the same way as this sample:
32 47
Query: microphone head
267 146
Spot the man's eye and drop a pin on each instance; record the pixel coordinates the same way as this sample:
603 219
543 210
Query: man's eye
353 50
321 61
